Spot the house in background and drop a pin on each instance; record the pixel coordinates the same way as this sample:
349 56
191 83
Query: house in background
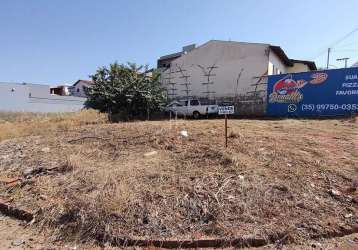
60 90
79 88
227 71
29 97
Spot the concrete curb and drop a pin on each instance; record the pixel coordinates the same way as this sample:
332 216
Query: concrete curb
7 209
279 238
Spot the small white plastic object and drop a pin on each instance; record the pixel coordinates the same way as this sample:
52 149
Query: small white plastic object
184 133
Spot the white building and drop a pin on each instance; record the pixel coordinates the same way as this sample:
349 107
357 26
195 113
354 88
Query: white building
79 88
27 97
227 71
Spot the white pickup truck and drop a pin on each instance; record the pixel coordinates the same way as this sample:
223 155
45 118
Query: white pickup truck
191 107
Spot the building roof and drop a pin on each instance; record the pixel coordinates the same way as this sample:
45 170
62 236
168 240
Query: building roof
289 62
282 55
149 70
84 81
311 65
174 55
276 49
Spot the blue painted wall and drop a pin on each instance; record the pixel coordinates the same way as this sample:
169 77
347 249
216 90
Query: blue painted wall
318 93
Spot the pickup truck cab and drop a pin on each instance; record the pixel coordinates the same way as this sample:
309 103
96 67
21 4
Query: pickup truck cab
191 107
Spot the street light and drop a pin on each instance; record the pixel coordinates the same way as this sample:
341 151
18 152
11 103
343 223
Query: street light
345 59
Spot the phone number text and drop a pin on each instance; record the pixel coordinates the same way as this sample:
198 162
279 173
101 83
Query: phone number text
321 107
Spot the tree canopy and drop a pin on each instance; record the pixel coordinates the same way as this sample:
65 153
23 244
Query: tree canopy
126 89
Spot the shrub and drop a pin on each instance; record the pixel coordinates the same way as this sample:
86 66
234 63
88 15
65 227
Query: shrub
127 90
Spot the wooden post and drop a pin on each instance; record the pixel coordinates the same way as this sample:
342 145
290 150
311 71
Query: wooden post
225 131
226 110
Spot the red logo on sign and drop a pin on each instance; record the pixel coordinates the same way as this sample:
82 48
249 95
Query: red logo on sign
288 86
318 78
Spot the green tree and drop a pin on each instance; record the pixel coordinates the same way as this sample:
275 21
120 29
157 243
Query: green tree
126 90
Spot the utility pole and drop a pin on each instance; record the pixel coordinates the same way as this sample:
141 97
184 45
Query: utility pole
329 52
345 59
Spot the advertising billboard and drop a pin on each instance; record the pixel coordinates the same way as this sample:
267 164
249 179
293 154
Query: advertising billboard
317 93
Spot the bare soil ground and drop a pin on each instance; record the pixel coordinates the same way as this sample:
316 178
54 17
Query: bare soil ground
295 179
17 235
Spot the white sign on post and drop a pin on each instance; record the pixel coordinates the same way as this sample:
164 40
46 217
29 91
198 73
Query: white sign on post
226 110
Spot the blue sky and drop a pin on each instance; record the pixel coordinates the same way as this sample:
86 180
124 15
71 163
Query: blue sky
60 41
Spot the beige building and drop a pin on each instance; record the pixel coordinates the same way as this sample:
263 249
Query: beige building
79 88
227 71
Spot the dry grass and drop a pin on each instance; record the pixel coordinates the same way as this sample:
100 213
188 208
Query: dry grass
275 177
23 124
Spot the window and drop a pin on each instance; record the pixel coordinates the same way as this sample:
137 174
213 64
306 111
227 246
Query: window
175 105
194 103
78 90
270 69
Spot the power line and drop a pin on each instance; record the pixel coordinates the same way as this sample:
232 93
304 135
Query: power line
336 42
354 59
347 45
347 50
344 37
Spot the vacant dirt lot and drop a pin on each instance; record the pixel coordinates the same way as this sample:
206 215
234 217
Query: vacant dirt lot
294 180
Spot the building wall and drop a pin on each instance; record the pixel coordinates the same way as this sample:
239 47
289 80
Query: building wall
78 89
298 67
229 58
19 97
247 90
276 64
239 74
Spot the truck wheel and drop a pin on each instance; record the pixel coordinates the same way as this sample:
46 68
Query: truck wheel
196 115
